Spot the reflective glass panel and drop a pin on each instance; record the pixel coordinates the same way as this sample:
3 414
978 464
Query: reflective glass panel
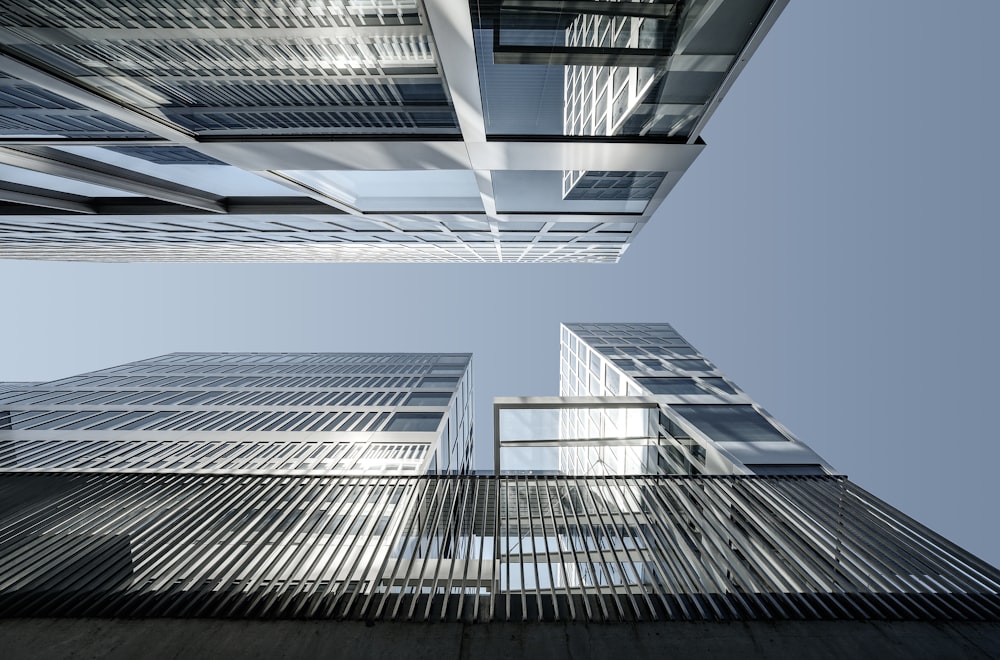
730 423
642 69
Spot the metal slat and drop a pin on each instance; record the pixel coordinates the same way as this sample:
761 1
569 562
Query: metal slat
900 563
276 545
870 568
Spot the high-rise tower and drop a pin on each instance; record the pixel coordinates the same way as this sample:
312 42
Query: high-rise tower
354 130
706 423
327 413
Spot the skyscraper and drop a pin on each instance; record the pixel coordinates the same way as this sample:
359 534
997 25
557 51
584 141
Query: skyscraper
708 424
349 130
304 413
337 486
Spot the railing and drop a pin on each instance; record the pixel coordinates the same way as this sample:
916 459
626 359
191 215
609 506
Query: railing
474 549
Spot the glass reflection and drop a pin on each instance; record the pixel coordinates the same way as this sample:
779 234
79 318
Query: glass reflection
601 69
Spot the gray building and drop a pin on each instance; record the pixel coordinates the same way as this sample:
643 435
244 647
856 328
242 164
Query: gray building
243 413
155 500
354 130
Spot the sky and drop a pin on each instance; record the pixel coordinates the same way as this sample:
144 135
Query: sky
833 250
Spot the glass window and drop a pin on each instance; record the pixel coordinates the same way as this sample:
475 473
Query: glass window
724 423
437 383
398 190
691 365
670 385
414 422
564 64
784 469
613 381
443 369
428 399
721 384
554 191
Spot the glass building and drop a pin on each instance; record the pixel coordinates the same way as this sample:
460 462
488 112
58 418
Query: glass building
243 413
339 486
704 422
354 130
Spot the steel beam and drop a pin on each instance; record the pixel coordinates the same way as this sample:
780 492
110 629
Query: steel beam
47 160
16 193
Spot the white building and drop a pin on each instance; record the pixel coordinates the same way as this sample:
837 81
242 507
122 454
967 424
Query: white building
353 130
246 413
697 421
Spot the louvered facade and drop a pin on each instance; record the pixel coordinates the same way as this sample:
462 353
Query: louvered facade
338 486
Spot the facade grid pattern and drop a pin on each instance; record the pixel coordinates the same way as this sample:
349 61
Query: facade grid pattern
353 130
331 413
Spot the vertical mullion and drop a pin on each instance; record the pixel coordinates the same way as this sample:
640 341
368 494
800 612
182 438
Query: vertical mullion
614 555
473 485
432 530
391 489
465 487
312 490
586 551
544 481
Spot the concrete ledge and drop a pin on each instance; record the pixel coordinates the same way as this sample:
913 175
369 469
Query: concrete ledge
155 639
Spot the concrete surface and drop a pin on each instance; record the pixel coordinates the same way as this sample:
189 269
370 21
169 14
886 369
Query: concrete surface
187 639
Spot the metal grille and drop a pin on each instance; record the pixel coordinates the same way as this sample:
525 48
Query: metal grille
259 57
475 549
188 14
611 185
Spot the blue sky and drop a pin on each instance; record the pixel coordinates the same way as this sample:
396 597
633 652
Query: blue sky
833 250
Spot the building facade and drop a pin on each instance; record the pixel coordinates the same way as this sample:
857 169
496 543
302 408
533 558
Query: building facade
242 413
705 423
338 486
354 130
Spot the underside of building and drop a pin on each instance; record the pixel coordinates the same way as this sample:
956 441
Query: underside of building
354 130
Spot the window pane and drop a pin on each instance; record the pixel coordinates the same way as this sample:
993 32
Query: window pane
730 423
428 399
417 422
670 385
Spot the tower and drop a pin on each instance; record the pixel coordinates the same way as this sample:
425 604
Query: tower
342 130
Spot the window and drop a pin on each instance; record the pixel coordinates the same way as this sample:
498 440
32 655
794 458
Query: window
438 383
720 384
792 468
691 365
414 422
428 399
724 423
670 385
